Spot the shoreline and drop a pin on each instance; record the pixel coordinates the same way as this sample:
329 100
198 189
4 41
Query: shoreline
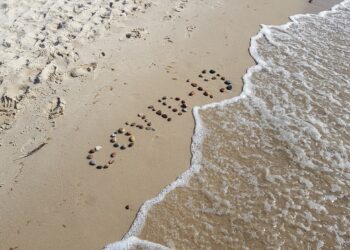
79 197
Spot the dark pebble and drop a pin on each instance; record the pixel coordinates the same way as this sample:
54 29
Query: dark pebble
164 116
159 112
229 87
127 207
228 82
200 88
174 110
194 84
99 167
204 71
200 76
169 119
89 157
212 71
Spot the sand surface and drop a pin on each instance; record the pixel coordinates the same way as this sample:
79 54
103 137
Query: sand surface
53 199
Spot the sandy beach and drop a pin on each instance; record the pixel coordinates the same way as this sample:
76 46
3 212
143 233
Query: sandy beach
50 198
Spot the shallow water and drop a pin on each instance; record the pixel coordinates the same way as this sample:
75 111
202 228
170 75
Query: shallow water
271 168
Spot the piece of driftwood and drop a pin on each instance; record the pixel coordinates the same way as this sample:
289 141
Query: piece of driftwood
33 151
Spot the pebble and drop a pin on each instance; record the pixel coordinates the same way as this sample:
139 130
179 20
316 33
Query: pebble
184 110
128 133
200 76
164 103
126 123
98 148
194 84
132 139
191 93
218 75
164 116
169 119
143 117
114 154
206 80
213 78
149 124
127 207
212 71
89 157
200 88
140 126
159 112
204 71
205 93
183 105
105 166
222 90
99 167
150 107
211 96
92 163
183 101
113 140
121 130
188 80
128 35
133 124
122 147
179 113
92 151
153 109
164 97
110 162
169 107
223 78
131 144
174 110
229 87
140 114
116 145
113 135
228 82
159 100
177 98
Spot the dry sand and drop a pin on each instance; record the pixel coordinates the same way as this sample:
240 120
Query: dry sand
53 199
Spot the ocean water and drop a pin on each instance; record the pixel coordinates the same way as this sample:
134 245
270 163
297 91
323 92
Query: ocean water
270 168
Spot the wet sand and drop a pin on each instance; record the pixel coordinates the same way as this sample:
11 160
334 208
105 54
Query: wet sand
53 198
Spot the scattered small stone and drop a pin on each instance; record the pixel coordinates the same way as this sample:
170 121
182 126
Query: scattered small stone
116 145
164 97
200 88
177 98
103 54
164 103
200 76
89 157
126 123
206 80
211 96
140 114
92 163
159 112
128 35
213 78
110 162
128 133
105 166
188 80
222 90
140 126
229 87
191 93
98 148
179 113
149 124
159 100
121 130
174 110
113 135
92 151
223 78
228 82
131 145
218 75
114 154
212 71
127 207
143 117
132 139
169 119
184 110
164 116
194 84
204 71
205 93
133 124
183 101
169 107
99 167
150 107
